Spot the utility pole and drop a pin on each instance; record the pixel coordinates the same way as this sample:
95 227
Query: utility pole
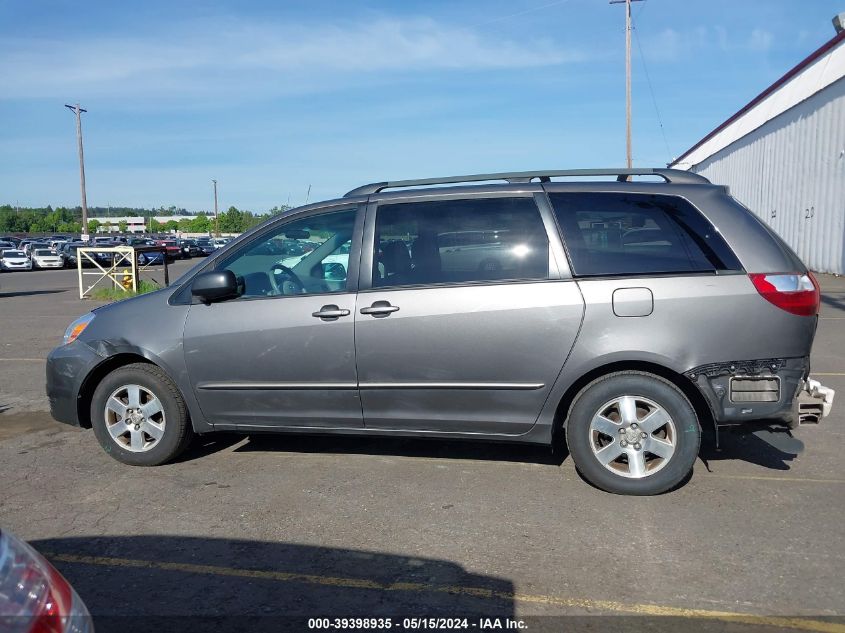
78 112
627 4
216 221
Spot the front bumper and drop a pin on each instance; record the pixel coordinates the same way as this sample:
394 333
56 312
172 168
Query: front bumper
767 389
67 368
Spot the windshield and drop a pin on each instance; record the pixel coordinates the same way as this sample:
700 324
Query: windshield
44 253
13 254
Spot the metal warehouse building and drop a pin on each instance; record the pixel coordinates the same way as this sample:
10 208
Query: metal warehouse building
783 156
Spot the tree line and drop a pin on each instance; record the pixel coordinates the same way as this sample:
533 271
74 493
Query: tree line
69 220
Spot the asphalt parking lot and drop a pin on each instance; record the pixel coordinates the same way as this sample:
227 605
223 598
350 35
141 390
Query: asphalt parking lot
295 527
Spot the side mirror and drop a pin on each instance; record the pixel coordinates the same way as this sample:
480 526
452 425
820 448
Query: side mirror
333 271
215 286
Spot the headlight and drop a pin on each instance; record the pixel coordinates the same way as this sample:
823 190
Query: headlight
77 327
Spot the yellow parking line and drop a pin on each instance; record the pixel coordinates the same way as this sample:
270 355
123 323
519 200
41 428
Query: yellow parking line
826 373
22 360
801 624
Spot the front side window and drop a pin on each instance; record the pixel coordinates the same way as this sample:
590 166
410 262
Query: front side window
459 241
305 256
634 234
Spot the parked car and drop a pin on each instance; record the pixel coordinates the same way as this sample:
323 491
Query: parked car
10 238
46 258
173 250
150 257
34 596
103 258
624 350
220 242
69 255
7 246
189 248
205 245
15 260
29 247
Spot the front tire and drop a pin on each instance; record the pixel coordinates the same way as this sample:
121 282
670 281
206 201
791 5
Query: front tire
633 433
139 416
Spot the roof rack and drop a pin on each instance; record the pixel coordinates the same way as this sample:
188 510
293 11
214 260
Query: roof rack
672 176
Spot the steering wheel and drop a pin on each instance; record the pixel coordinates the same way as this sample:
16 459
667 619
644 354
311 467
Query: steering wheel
285 281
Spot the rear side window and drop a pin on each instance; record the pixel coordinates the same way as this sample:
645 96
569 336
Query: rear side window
456 241
634 234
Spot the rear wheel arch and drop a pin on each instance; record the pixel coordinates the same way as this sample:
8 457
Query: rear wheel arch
695 397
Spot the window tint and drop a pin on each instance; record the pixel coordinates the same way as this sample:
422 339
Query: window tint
629 234
306 256
453 241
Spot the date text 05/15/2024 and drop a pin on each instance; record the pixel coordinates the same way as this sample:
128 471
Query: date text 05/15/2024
415 624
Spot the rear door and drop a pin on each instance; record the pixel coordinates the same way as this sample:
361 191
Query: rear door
466 343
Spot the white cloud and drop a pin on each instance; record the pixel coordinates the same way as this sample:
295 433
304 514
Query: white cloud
760 40
207 57
674 45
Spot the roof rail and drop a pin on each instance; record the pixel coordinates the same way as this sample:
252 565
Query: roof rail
672 176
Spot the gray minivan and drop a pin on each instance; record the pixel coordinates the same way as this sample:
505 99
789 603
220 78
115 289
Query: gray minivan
619 316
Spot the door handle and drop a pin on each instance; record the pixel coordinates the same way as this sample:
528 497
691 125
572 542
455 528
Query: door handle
330 313
380 309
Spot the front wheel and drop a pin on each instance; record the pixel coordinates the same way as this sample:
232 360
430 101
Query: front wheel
139 416
633 433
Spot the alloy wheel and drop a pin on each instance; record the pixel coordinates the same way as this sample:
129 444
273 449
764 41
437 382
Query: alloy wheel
134 418
632 436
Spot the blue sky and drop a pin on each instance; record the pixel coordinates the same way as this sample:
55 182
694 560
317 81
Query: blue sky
271 97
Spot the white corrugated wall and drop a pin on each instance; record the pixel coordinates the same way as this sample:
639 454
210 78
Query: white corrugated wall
791 173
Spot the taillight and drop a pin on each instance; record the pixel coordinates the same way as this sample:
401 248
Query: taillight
34 597
796 293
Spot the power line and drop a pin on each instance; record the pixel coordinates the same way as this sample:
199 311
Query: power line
519 13
653 97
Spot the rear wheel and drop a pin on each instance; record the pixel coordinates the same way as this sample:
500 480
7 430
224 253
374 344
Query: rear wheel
633 433
139 417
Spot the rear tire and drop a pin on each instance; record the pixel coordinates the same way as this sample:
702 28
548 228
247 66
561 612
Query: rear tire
633 433
139 416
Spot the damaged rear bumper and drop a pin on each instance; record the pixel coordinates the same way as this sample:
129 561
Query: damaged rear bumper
814 402
769 389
